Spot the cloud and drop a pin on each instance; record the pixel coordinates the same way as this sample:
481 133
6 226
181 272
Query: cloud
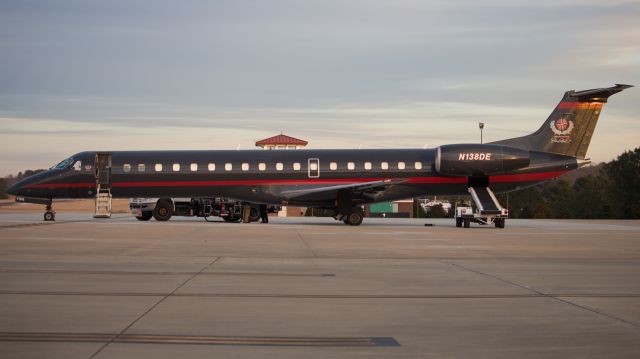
130 74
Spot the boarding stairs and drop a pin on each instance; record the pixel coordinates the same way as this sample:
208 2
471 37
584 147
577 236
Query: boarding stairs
103 204
103 185
485 200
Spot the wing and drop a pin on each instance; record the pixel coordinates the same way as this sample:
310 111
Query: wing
330 193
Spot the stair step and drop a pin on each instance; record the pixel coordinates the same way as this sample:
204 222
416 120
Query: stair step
103 204
485 200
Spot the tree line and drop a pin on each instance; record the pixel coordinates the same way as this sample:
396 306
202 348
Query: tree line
611 192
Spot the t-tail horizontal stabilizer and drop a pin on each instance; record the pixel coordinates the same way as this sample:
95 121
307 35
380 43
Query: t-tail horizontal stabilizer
569 128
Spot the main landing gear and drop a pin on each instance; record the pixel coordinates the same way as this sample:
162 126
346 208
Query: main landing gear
346 210
353 217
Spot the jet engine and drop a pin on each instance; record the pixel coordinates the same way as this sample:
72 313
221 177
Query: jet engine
479 159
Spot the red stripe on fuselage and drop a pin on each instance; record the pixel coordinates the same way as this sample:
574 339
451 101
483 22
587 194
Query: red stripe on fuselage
245 182
530 177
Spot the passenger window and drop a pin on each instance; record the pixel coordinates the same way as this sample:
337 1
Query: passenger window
176 167
384 165
351 166
194 167
211 167
262 166
333 166
279 166
367 166
296 166
401 165
158 167
418 165
141 167
126 167
313 166
228 166
245 166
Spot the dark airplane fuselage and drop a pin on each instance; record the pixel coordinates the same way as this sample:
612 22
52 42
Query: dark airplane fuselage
335 179
261 176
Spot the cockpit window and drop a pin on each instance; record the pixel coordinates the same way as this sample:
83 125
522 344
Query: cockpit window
77 165
64 164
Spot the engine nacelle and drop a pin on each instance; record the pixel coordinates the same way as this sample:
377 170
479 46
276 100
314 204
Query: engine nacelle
479 160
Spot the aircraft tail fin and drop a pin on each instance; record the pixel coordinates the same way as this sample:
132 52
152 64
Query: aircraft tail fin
569 128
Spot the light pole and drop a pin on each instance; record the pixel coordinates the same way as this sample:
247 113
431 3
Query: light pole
481 125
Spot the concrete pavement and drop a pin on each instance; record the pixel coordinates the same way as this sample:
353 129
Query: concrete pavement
119 288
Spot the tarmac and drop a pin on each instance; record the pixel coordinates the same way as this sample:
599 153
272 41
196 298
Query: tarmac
316 288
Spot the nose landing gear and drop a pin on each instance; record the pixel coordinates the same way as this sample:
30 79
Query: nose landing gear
50 214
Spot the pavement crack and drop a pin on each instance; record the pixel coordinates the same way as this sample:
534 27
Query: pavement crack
306 244
153 307
543 294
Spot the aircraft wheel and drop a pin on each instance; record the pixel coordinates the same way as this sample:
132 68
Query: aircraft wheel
467 223
254 214
500 222
354 218
458 222
163 210
49 216
145 216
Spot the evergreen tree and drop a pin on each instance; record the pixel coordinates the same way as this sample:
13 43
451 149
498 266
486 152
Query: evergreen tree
591 197
624 184
527 203
3 189
559 197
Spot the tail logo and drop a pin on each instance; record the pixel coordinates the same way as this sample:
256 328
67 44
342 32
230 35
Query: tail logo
561 128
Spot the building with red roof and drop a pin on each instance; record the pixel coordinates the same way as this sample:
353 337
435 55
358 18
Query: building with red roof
284 142
281 142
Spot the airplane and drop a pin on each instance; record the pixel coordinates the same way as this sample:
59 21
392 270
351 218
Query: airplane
339 180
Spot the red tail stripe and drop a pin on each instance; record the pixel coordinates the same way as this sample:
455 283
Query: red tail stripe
580 105
412 180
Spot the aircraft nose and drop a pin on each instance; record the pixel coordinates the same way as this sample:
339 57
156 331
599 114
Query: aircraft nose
17 189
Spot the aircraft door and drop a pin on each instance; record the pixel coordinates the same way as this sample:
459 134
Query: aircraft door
103 171
313 167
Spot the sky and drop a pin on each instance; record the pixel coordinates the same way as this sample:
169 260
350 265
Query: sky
80 75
